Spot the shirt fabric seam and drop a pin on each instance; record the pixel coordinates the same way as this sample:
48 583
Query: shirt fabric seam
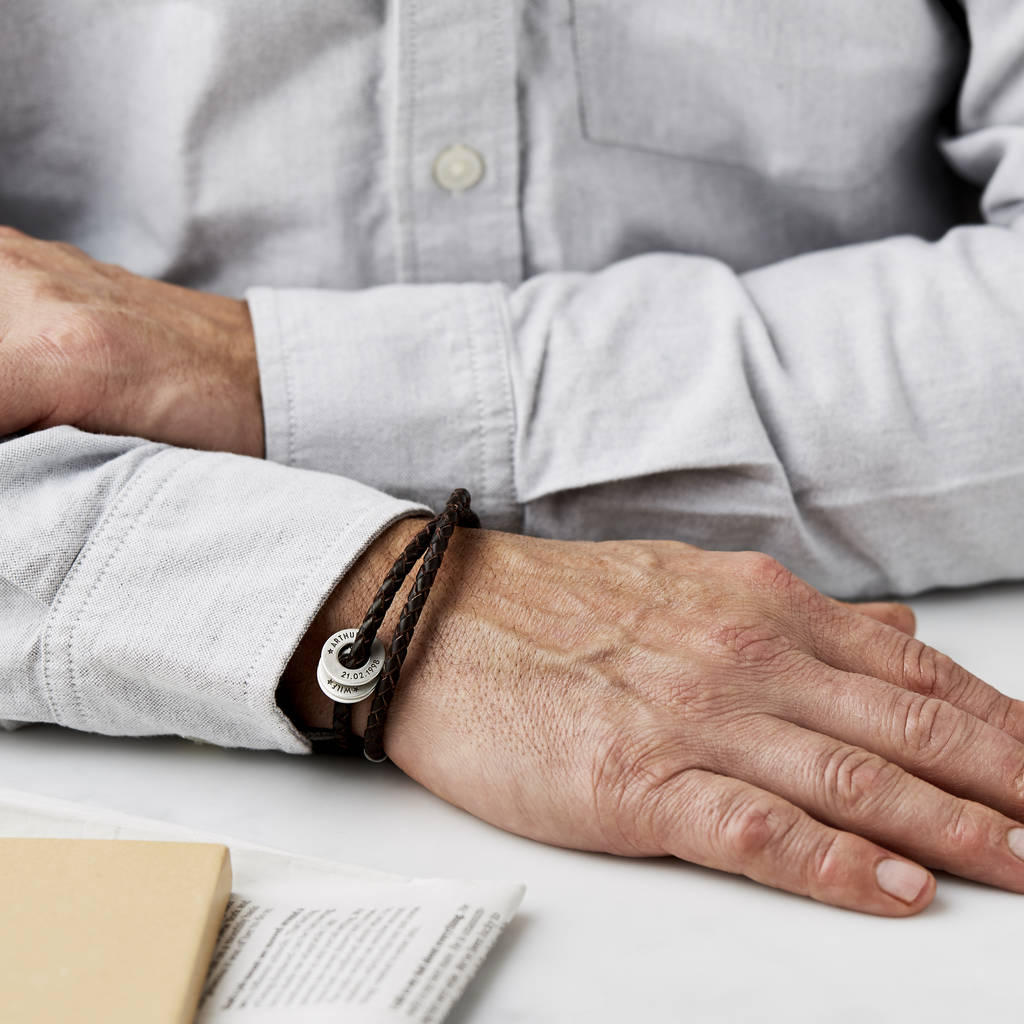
503 330
137 482
481 410
83 607
291 427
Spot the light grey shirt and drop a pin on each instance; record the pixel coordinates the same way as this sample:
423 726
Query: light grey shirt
745 273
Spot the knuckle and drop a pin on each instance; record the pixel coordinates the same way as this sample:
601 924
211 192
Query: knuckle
1017 775
1001 711
930 726
755 827
826 869
782 590
764 572
857 780
925 670
617 762
952 682
629 773
966 828
912 665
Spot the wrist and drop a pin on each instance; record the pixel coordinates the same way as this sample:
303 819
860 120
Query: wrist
298 693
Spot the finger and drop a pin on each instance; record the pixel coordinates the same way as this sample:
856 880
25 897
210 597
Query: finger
854 789
733 826
889 613
926 736
855 643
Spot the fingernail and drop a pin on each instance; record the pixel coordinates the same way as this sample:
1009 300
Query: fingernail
1015 837
905 881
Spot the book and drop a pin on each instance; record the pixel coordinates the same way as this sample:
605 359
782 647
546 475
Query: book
108 930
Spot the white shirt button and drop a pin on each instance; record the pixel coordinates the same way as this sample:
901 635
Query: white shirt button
458 167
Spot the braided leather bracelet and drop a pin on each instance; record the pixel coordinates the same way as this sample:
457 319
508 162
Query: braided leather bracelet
353 663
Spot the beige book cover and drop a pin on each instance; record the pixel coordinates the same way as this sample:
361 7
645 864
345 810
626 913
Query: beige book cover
107 930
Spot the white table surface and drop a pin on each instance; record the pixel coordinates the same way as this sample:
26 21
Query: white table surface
598 938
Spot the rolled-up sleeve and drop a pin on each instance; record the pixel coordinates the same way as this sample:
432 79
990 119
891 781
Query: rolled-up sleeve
150 590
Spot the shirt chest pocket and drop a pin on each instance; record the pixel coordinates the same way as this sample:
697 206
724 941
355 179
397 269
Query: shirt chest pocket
813 93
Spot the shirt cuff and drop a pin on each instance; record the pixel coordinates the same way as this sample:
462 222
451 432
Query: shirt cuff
405 387
186 602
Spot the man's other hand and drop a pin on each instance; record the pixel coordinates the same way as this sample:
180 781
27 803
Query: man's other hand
90 344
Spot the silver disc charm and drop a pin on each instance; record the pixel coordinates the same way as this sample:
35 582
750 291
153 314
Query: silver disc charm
348 685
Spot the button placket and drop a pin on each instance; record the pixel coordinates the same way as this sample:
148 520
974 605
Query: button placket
456 151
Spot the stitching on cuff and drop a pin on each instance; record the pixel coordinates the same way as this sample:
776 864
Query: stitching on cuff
504 336
275 382
289 387
474 364
73 629
49 643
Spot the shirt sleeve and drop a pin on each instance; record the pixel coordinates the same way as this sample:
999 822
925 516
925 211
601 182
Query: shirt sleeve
149 590
856 412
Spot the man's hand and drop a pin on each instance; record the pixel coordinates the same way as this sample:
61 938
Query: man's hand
650 698
91 345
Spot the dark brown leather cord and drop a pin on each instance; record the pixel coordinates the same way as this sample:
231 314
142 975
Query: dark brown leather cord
433 540
338 738
456 513
392 583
